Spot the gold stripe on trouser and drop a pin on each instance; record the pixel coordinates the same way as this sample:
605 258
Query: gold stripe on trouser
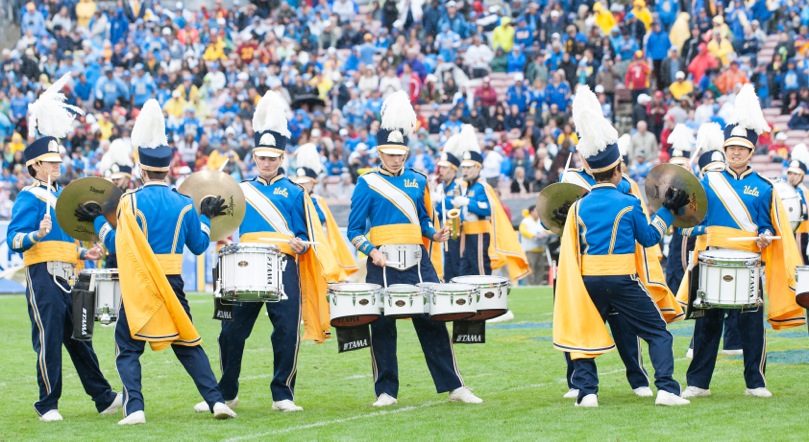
608 265
41 361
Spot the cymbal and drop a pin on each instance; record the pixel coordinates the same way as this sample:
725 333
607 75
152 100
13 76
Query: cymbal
664 176
552 198
205 183
82 191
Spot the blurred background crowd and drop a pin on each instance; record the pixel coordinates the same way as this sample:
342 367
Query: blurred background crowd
507 67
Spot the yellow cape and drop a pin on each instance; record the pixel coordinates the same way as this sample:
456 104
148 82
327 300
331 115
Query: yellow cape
578 328
345 259
781 258
504 247
153 311
315 267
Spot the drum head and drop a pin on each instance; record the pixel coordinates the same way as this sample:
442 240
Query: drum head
728 254
480 280
353 287
453 288
405 289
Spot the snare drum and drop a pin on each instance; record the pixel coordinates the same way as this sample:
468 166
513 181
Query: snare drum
791 200
107 288
492 300
402 301
802 286
354 303
728 279
451 302
251 272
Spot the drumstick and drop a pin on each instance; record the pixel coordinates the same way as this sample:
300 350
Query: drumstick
48 205
284 240
444 212
222 167
567 165
752 238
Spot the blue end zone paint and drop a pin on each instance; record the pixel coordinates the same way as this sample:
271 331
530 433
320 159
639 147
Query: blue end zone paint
787 357
520 325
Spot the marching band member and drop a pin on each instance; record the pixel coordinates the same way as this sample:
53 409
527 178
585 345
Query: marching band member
598 267
709 140
447 172
280 213
395 203
681 140
650 271
741 203
486 231
155 223
116 165
796 172
309 168
50 257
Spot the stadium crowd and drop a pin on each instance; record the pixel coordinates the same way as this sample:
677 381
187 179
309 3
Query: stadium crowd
508 68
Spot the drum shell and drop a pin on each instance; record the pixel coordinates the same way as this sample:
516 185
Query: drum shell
403 301
251 273
802 286
728 279
452 302
354 304
791 201
492 299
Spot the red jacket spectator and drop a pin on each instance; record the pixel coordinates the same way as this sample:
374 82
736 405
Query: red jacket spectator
701 63
486 93
637 75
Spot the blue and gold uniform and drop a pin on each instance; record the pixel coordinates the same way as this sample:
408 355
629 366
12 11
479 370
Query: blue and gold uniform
49 262
395 206
155 224
452 255
475 229
51 259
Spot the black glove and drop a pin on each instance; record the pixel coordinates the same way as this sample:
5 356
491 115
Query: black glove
560 214
212 206
675 199
88 212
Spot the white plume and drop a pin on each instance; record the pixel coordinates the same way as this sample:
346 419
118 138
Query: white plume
595 131
118 153
271 114
623 144
800 153
397 113
308 156
468 139
50 115
150 127
710 137
452 146
681 138
748 110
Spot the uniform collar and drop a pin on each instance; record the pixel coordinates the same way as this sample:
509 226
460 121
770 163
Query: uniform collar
272 181
604 186
39 183
156 183
744 174
386 172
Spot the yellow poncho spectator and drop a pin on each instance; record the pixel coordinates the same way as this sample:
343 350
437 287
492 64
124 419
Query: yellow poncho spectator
641 12
503 35
604 18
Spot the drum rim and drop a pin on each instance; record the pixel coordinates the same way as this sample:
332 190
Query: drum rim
460 288
337 288
493 281
242 246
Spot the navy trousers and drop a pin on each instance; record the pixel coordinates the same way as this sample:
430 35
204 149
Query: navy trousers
475 256
433 337
708 330
626 295
285 317
193 358
452 259
51 313
732 340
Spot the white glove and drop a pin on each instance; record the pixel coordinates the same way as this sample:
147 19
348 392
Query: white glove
460 201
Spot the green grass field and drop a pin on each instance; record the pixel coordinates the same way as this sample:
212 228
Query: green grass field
517 373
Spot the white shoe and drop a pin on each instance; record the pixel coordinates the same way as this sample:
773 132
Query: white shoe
670 399
590 401
136 418
692 391
385 400
465 395
736 352
51 416
689 354
643 392
573 393
505 317
757 392
203 407
222 411
286 406
115 405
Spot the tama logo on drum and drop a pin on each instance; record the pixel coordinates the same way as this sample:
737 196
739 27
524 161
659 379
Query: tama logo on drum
469 338
353 345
